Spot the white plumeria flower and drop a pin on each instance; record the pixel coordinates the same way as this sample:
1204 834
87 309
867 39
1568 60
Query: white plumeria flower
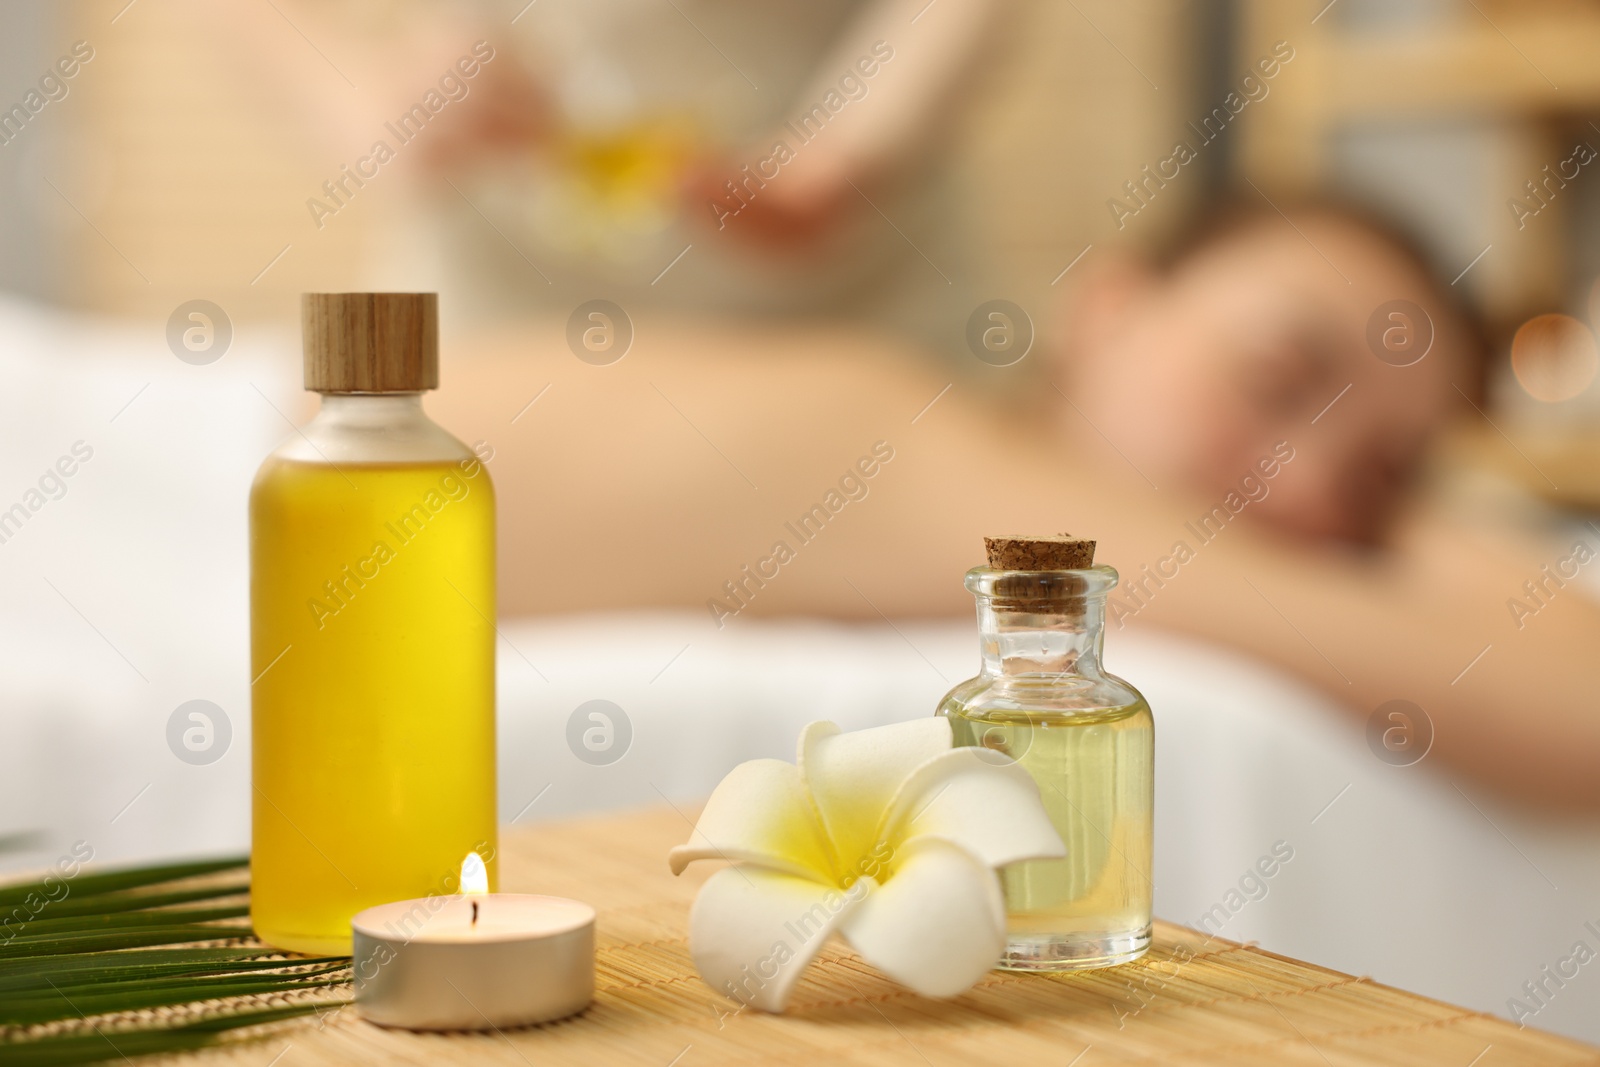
888 837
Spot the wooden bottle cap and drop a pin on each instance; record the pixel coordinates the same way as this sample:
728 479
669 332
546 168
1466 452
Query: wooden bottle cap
370 342
1061 553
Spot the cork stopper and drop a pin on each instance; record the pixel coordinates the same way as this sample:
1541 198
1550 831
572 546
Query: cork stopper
1061 553
370 342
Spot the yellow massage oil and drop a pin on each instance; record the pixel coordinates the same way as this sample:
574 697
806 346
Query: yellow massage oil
1085 736
372 540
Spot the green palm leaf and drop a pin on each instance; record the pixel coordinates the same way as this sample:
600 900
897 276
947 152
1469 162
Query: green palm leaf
105 1044
167 934
146 959
87 955
132 900
130 920
107 881
93 971
62 1005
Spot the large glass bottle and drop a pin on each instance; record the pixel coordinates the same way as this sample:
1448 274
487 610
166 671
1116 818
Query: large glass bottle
372 595
1087 739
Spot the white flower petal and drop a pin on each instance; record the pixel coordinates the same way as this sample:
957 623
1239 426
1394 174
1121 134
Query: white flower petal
938 925
853 777
980 799
759 814
753 931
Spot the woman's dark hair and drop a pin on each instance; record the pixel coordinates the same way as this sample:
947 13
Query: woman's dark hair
1230 217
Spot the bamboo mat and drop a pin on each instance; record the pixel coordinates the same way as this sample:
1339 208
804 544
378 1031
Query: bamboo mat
1192 1000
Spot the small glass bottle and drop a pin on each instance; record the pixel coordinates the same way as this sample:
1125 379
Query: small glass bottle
372 595
1085 736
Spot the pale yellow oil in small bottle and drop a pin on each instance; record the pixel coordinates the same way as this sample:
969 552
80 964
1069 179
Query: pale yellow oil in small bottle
372 649
1087 739
1094 769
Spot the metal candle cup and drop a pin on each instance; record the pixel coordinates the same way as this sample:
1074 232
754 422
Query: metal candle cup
431 964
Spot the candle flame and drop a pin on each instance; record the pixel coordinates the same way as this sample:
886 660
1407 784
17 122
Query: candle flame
474 875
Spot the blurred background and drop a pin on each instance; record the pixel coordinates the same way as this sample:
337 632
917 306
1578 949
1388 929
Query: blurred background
204 150
185 157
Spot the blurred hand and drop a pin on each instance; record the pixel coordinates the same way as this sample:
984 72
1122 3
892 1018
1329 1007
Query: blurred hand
793 213
508 112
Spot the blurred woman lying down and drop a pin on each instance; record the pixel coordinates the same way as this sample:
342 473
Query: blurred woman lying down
1217 419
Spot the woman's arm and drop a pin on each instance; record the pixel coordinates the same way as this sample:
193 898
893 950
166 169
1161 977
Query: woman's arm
871 107
657 480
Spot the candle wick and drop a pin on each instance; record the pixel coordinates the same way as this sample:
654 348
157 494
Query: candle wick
474 913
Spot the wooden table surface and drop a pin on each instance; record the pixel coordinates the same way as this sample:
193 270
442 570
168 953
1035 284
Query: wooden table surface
1191 1000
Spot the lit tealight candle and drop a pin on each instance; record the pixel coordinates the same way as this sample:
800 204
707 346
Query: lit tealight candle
474 961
